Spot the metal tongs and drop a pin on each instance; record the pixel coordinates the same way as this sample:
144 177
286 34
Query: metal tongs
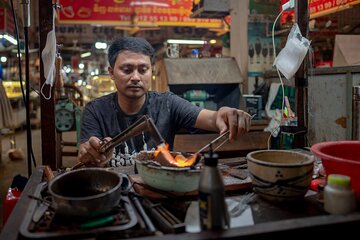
219 140
215 144
145 123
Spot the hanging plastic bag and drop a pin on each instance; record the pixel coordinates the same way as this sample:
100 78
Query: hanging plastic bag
48 56
291 56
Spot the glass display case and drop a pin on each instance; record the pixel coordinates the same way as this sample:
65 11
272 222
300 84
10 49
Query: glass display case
98 86
13 92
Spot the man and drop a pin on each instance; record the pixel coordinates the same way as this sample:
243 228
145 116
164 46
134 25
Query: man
131 62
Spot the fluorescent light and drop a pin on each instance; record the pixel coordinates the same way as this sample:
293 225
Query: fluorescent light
100 45
182 41
212 41
85 54
10 39
3 59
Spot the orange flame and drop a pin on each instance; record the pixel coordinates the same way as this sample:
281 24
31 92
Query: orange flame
179 160
185 162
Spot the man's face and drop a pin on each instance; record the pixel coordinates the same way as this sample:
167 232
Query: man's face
132 74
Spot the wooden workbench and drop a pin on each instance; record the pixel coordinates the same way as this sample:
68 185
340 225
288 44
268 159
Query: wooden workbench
255 139
305 218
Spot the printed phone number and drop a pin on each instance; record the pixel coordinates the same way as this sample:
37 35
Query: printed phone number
327 5
145 18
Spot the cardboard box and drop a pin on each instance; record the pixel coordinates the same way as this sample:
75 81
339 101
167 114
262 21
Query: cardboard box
346 50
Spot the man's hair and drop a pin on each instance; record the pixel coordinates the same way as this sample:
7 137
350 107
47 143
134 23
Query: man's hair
133 44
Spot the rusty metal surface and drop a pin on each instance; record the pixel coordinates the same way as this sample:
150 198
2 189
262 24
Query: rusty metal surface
329 101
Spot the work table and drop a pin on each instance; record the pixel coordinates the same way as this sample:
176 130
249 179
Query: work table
255 139
305 217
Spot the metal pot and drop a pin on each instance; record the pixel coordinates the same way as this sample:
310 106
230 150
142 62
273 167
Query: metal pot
85 192
172 179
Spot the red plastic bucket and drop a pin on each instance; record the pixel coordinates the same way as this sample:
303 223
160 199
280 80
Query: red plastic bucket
341 157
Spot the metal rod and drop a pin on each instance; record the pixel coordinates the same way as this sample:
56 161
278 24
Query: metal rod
27 102
146 218
218 138
213 141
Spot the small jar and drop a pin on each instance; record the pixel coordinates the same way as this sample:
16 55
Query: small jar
339 198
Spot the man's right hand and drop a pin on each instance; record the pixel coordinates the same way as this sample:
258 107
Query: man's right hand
88 153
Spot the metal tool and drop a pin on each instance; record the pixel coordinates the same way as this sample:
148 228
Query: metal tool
165 219
145 123
149 225
43 205
215 141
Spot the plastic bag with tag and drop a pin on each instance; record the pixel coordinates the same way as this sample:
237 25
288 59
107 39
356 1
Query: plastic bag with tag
48 56
291 56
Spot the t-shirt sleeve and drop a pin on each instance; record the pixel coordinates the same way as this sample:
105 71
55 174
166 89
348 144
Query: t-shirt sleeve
184 112
90 125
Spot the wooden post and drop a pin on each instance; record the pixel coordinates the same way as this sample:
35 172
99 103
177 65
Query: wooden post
301 83
239 39
49 138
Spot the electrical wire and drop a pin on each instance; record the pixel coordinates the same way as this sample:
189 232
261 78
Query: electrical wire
24 96
27 84
277 70
18 50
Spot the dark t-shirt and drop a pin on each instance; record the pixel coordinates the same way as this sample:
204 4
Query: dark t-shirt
103 117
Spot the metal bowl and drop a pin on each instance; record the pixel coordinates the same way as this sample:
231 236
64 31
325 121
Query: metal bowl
85 192
173 179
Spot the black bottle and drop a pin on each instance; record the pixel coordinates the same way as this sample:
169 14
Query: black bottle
212 206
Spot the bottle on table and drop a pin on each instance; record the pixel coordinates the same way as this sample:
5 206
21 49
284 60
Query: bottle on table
339 198
212 205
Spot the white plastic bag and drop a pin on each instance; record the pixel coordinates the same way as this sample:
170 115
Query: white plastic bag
291 56
48 56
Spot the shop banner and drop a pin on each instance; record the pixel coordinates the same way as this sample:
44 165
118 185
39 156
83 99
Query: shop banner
319 8
132 12
2 19
6 22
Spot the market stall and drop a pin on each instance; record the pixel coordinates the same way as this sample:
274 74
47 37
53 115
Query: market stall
260 219
261 194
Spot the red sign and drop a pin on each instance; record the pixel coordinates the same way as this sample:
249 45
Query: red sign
2 19
133 12
6 22
319 8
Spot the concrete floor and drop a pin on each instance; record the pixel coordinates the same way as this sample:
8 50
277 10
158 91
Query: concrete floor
10 168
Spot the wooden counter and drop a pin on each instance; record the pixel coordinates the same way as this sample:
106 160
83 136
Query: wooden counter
255 139
305 218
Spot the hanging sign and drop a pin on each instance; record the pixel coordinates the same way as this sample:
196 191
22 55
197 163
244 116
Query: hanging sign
6 22
132 12
2 19
319 8
322 7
